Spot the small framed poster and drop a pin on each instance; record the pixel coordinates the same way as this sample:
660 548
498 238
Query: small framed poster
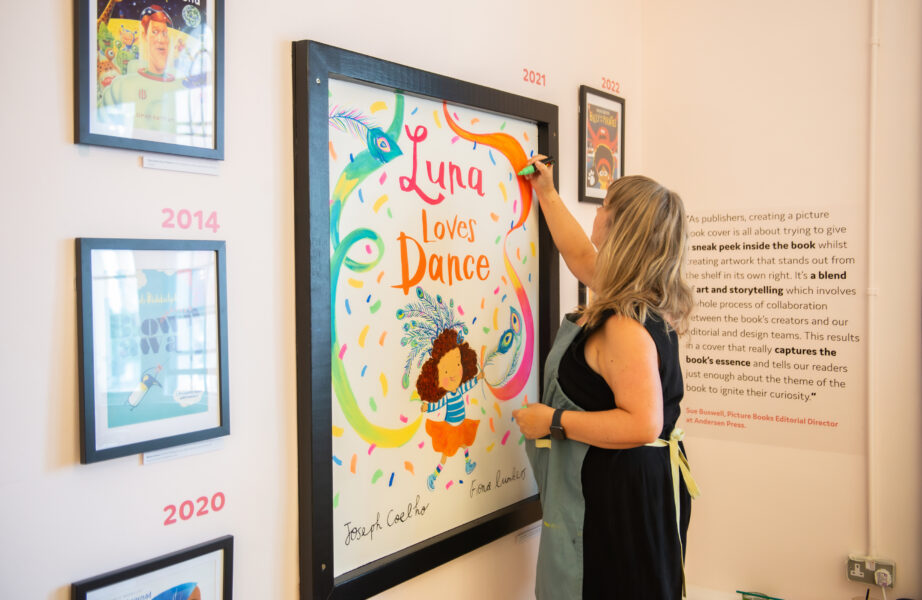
150 76
601 142
196 573
152 325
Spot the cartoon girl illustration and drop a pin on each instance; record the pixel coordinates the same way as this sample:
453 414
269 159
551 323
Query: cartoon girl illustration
450 371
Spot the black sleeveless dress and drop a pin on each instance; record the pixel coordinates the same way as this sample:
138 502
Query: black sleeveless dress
630 544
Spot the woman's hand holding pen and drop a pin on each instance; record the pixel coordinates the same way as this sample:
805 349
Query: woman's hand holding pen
542 179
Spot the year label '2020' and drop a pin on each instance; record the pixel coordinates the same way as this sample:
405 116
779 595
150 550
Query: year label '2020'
188 509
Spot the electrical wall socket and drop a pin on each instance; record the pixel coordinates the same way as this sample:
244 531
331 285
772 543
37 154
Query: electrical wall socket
864 569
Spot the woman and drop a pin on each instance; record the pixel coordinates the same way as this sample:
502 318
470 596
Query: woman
616 509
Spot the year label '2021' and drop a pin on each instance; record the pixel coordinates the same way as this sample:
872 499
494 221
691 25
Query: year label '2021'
534 77
188 509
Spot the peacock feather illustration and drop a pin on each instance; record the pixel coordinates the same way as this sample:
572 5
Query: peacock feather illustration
423 322
507 354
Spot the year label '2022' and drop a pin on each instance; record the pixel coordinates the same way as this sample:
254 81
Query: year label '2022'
187 509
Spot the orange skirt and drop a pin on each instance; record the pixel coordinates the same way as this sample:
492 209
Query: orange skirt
447 438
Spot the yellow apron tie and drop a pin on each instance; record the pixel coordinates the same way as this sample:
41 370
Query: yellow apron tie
678 462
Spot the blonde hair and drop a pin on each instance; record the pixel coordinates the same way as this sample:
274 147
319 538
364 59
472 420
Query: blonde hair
640 267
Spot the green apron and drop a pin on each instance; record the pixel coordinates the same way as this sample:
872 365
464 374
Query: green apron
557 470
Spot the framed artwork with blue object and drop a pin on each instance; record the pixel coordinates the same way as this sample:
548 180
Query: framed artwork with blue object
152 324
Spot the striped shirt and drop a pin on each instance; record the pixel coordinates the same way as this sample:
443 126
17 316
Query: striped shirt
454 402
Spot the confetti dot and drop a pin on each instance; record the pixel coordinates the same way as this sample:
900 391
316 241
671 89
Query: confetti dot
336 500
521 439
362 336
505 437
379 203
503 299
414 110
377 476
482 301
355 457
503 126
495 217
368 299
381 339
502 188
371 449
492 160
525 135
383 178
496 291
348 308
474 321
375 307
460 310
490 447
355 283
456 116
496 408
421 444
373 404
391 482
495 318
455 139
383 379
381 274
379 105
518 253
342 352
389 215
403 419
337 431
337 461
408 466
486 330
498 238
332 152
364 368
448 485
532 248
474 121
492 428
361 195
483 410
435 117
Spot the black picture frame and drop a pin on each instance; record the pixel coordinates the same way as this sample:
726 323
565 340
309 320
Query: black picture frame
194 80
134 575
314 65
139 340
595 139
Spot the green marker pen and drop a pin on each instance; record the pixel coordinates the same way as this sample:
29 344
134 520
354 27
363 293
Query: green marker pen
549 161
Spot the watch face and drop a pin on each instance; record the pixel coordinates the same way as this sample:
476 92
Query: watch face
557 432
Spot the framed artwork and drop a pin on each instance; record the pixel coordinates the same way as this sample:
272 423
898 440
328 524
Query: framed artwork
149 75
196 573
426 287
601 142
152 325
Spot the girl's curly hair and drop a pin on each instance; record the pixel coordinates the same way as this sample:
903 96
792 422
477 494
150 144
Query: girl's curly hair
427 384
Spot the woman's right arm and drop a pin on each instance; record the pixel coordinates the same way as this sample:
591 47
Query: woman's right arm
578 252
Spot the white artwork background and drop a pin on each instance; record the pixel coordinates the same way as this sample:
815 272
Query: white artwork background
381 500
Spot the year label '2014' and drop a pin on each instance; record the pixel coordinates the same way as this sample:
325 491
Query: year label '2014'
187 509
185 219
534 77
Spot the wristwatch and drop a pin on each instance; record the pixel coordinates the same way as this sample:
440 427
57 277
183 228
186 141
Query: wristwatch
557 430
